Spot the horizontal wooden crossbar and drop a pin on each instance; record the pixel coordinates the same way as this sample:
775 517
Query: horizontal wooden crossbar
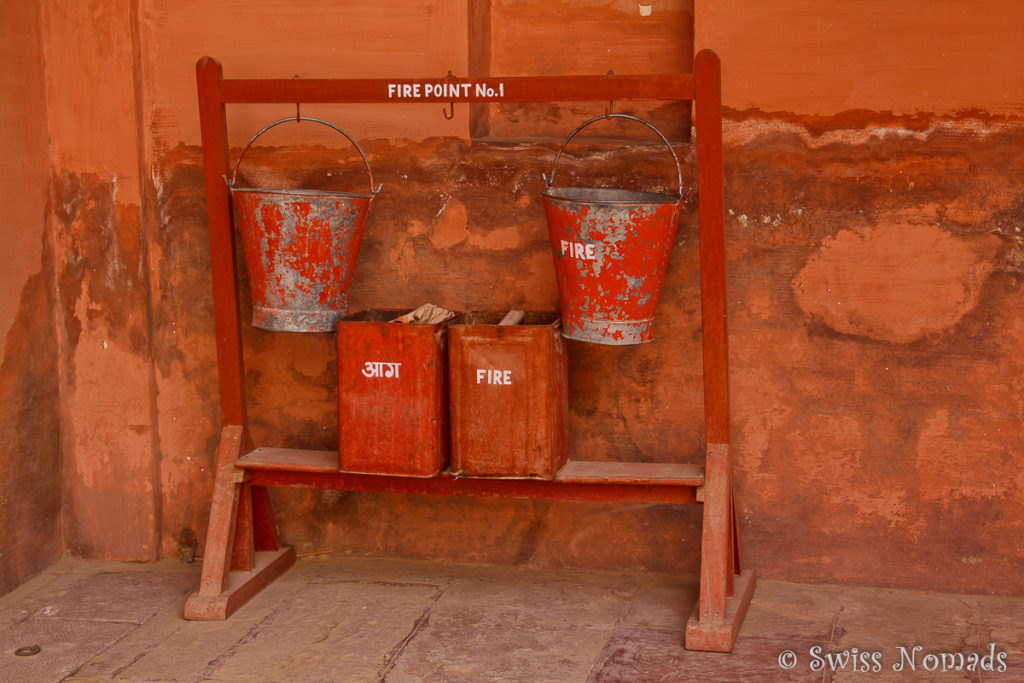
442 89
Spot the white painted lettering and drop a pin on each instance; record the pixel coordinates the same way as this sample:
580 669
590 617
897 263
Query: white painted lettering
491 376
444 90
376 369
587 252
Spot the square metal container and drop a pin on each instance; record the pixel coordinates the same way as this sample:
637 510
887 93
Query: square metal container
392 395
509 396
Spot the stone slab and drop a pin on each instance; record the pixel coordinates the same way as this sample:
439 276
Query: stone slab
64 646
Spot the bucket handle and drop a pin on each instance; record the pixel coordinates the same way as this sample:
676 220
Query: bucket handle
679 172
296 118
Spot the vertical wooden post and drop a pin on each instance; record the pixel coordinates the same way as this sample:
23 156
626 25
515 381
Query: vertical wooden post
265 536
213 130
711 215
479 63
716 567
243 546
725 592
237 507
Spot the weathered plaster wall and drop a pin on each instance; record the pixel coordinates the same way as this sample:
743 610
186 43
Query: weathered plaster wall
29 426
874 244
110 461
875 214
876 280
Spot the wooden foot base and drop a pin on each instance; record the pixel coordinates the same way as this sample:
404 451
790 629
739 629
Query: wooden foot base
719 635
241 586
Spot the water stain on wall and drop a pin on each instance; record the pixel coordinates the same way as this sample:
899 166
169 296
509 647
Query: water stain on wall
106 393
30 447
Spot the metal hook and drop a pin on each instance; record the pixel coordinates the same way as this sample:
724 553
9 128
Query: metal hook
608 110
298 111
450 112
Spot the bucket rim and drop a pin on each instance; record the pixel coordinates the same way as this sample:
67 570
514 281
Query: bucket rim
549 182
301 192
630 197
366 162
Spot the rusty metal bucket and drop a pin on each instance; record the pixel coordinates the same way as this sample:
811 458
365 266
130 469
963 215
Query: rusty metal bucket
300 247
611 249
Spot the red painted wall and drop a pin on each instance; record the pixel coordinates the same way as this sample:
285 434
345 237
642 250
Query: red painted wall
30 491
834 58
874 217
875 214
110 456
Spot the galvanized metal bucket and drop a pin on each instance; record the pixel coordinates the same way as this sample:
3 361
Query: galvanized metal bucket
300 247
611 249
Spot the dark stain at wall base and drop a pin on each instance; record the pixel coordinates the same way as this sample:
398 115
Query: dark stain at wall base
30 447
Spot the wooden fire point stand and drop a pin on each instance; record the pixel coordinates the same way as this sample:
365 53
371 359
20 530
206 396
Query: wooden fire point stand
243 552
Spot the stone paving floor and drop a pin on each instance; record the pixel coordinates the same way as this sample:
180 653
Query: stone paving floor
336 618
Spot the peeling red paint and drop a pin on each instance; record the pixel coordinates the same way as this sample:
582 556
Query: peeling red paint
611 249
300 253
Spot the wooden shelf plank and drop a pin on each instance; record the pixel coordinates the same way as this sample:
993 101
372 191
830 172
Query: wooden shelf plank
650 473
573 472
636 482
289 459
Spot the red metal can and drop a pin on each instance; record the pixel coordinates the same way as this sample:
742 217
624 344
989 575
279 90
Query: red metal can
509 396
611 249
300 247
392 395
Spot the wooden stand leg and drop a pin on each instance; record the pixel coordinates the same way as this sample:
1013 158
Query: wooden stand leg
725 590
242 554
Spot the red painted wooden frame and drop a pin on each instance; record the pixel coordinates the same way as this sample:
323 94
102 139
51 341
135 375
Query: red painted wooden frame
243 553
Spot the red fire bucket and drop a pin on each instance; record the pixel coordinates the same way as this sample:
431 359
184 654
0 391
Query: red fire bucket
300 248
611 249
